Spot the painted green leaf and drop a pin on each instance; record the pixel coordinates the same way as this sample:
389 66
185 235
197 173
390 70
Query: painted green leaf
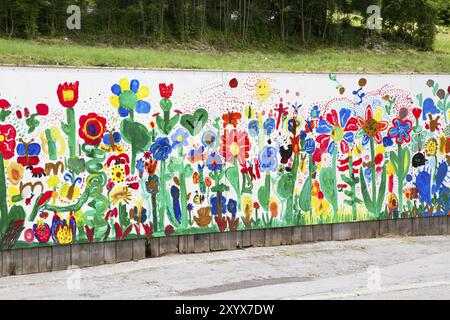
328 186
136 134
305 195
165 104
382 190
194 123
232 174
365 192
284 186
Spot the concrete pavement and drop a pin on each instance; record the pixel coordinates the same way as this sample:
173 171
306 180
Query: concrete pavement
383 268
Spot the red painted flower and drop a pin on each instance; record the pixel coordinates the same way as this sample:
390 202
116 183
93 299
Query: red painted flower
165 90
7 141
235 144
417 112
4 104
68 94
371 126
92 128
29 235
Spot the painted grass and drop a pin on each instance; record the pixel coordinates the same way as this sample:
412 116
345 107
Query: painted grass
25 52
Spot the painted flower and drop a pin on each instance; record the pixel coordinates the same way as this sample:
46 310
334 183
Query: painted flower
7 141
129 96
315 112
235 144
337 129
180 136
117 174
29 235
214 162
310 145
232 207
269 126
4 104
247 206
268 159
400 130
209 138
165 90
161 148
372 125
253 128
431 147
68 94
92 128
15 173
214 205
120 195
293 124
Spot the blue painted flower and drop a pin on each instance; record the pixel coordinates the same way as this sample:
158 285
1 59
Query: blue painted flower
232 207
310 145
129 96
209 138
315 112
214 162
180 137
269 126
253 128
337 129
268 159
161 148
387 142
214 205
400 130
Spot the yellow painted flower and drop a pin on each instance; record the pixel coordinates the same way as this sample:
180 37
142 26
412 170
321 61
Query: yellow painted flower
117 174
390 169
321 207
64 234
120 195
247 205
12 191
53 181
14 173
431 147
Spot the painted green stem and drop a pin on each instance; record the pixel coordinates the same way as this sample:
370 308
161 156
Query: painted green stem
183 193
3 198
353 187
373 172
71 132
238 189
400 178
164 201
290 199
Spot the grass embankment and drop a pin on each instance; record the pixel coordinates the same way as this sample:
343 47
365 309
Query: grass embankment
65 53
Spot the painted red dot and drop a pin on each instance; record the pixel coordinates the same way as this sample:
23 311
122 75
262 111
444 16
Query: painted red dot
42 109
233 83
297 93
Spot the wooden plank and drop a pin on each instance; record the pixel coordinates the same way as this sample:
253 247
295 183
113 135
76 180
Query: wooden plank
124 250
201 243
97 253
369 229
421 226
218 241
246 239
344 231
168 245
436 227
384 229
30 260
110 251
321 232
45 259
186 244
232 240
61 257
257 237
138 249
404 226
154 247
80 255
12 262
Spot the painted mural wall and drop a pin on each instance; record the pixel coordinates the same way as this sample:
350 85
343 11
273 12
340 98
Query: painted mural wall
95 155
